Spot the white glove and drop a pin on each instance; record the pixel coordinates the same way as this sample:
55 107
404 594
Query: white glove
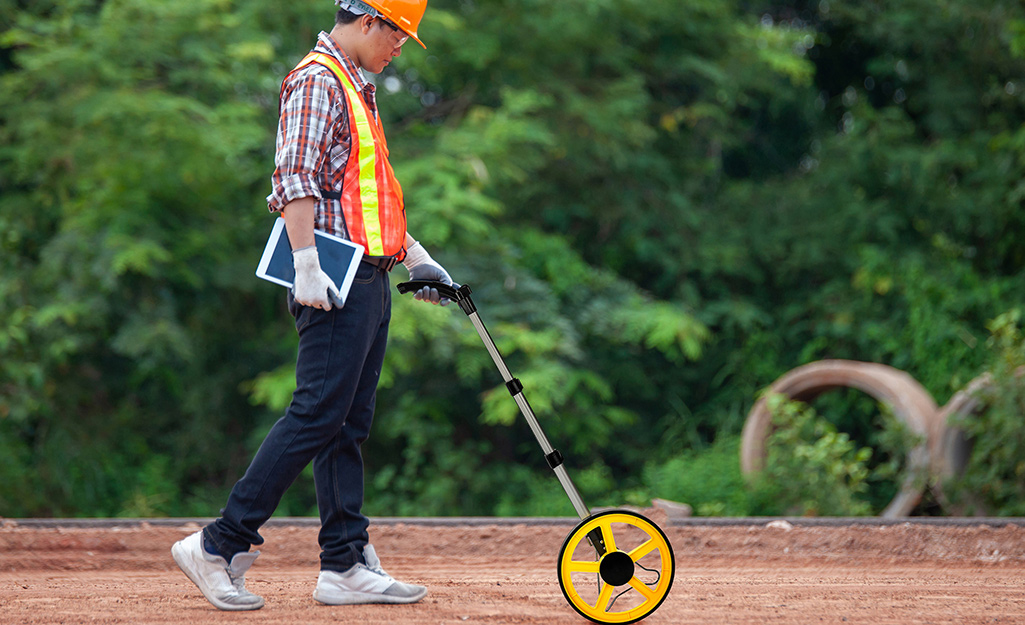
312 286
422 267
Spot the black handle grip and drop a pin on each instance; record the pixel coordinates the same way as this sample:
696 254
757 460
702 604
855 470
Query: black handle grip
460 296
415 285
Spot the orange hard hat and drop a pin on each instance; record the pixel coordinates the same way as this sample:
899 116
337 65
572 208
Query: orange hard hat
406 14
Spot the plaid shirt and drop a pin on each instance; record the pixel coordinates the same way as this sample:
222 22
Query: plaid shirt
313 136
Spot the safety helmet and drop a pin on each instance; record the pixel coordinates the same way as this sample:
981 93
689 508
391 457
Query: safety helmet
406 14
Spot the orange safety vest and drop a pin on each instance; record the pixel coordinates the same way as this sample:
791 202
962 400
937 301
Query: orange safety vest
371 197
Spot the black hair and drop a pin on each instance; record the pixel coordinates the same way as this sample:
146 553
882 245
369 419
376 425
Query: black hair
344 16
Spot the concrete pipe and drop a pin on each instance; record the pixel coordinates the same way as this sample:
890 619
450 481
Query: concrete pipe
955 447
908 400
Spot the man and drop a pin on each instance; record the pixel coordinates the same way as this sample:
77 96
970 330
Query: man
332 173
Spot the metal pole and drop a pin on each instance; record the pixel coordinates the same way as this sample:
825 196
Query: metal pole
552 455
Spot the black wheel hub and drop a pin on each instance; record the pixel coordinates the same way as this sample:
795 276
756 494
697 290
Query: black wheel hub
616 568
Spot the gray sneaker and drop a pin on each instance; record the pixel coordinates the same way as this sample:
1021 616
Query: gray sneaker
365 583
223 584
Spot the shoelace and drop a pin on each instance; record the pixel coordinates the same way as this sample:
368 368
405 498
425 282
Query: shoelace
377 569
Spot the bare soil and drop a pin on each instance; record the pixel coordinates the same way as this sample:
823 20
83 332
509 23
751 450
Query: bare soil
778 573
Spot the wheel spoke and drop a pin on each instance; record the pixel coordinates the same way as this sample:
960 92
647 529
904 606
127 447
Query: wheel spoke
643 549
602 605
610 540
577 566
639 586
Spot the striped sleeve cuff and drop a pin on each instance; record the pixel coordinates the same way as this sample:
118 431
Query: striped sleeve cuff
290 188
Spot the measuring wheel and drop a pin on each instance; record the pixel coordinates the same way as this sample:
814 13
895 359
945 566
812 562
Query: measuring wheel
616 567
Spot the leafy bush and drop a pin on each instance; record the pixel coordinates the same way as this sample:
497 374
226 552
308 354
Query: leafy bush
993 480
815 468
811 468
708 480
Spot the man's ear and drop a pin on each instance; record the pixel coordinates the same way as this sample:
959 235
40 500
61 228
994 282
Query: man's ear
365 22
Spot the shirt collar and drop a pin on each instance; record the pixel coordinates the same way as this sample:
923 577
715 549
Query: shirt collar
327 45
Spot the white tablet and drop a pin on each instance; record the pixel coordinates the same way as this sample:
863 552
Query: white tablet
338 258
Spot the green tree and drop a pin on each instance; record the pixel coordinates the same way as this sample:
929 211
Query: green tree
128 312
661 207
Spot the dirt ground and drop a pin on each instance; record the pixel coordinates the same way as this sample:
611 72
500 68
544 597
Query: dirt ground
758 573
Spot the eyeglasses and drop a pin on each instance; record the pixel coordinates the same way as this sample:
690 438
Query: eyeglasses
398 36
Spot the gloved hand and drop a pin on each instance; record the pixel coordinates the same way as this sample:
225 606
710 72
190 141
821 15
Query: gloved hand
422 267
313 287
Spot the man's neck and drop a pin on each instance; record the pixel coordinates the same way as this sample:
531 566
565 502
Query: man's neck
343 38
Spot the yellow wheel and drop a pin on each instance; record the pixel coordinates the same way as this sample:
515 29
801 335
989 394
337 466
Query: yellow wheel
616 567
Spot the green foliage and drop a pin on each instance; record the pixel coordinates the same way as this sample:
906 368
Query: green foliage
993 480
127 312
661 207
846 455
813 469
709 480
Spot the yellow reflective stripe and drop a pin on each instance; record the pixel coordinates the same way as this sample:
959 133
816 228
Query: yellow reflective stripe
367 159
368 196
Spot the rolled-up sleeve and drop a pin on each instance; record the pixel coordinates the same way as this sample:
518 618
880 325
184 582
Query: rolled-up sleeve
307 128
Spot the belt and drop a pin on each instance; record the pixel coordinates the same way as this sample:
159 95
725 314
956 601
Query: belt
381 262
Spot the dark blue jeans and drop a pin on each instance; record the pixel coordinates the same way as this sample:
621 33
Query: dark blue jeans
337 370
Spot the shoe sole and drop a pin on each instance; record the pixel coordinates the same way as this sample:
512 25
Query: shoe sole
356 598
179 556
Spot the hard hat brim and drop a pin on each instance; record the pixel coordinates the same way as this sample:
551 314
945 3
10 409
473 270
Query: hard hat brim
414 37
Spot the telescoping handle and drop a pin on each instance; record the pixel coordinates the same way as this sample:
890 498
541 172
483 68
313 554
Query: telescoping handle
462 297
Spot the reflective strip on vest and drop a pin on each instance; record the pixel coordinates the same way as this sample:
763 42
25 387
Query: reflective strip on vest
366 141
367 171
